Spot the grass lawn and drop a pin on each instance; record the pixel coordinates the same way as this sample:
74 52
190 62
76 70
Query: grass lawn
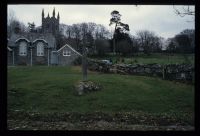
153 58
49 91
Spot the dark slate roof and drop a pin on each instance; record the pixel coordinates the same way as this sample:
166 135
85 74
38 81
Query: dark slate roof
67 45
49 38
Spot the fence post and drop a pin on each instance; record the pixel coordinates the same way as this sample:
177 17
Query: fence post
31 57
13 55
163 73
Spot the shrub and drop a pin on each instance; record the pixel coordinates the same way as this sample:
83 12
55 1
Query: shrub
77 61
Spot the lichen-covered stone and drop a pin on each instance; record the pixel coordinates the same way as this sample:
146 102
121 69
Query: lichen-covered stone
86 86
182 72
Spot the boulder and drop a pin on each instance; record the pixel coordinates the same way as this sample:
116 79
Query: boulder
83 87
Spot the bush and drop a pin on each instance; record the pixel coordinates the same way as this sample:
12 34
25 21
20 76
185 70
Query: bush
122 60
77 61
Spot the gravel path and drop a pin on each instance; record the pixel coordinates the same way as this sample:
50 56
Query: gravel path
95 125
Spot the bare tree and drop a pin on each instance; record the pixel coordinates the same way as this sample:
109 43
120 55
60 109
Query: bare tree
11 16
147 40
31 27
11 22
14 25
76 30
91 27
84 31
23 27
184 10
69 31
100 32
90 36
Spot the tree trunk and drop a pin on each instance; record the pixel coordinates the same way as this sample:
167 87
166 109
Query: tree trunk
114 52
84 63
84 67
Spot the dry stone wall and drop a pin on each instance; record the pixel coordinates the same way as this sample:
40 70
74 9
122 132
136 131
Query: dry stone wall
180 72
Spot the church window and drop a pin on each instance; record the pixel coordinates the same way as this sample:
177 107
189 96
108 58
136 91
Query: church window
23 49
40 49
66 53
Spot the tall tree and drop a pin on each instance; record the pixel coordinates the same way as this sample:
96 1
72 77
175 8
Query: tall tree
69 31
100 33
61 40
135 44
184 44
148 41
90 37
191 35
124 43
84 29
102 46
76 30
171 47
14 25
115 19
31 27
11 16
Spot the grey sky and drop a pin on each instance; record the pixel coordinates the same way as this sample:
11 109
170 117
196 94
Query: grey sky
158 18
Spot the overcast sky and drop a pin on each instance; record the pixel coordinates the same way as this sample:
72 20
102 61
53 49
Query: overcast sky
158 18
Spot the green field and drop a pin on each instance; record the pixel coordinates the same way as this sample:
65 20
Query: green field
49 91
153 58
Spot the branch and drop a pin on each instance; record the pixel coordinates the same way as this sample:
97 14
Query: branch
187 11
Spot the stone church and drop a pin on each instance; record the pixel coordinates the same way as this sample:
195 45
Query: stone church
50 25
39 48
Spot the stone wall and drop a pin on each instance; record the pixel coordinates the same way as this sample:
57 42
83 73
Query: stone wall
9 58
26 60
180 72
33 37
41 60
21 60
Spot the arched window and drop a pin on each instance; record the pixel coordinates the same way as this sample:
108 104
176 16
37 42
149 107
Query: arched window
40 49
23 48
66 53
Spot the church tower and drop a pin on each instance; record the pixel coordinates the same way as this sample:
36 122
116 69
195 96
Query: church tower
54 12
50 24
42 14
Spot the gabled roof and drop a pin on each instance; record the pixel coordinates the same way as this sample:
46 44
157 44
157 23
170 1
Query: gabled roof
40 40
22 39
70 48
48 37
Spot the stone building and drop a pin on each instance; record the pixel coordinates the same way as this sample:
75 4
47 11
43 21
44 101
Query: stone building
31 48
50 24
39 48
65 55
9 56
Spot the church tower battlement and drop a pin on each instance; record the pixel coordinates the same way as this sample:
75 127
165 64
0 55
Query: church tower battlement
50 24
